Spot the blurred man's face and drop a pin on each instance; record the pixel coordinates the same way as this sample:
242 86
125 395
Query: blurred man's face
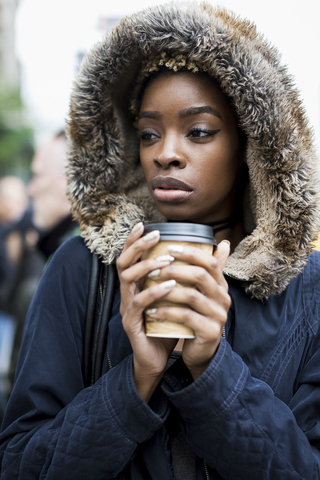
47 187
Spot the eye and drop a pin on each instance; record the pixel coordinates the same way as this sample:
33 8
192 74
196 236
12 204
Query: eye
202 133
147 136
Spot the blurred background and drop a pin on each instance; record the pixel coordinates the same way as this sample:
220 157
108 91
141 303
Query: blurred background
42 43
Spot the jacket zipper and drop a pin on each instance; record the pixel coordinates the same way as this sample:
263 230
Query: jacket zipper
109 361
148 470
108 356
206 470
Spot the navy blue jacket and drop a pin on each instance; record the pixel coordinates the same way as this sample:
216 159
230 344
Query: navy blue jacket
253 414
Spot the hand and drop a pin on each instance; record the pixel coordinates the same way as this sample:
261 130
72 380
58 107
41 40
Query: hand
150 355
209 302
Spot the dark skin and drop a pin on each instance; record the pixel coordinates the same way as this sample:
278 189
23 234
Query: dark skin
187 132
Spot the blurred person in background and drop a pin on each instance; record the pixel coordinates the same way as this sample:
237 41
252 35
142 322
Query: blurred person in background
47 189
29 236
48 224
13 204
18 236
20 270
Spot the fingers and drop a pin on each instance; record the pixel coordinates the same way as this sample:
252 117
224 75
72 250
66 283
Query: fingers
205 329
141 269
135 246
222 253
197 302
195 256
185 275
135 233
204 309
202 270
143 300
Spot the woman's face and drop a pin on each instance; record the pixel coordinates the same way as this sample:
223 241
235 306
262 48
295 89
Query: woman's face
190 148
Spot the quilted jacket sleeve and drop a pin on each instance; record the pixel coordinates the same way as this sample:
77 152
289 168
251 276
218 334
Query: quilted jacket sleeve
53 425
241 429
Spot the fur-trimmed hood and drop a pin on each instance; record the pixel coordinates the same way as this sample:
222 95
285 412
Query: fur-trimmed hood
106 184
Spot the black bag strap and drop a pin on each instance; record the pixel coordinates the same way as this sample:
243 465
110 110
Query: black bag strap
90 318
99 309
101 330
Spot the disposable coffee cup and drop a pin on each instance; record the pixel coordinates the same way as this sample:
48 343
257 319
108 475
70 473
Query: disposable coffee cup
172 233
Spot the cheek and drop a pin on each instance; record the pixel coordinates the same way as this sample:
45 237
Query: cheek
42 183
217 171
146 163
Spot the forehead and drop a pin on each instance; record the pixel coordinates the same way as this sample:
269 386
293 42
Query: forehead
184 89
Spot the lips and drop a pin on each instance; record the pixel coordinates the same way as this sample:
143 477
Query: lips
170 189
170 183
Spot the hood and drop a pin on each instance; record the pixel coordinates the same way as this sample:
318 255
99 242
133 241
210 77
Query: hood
106 184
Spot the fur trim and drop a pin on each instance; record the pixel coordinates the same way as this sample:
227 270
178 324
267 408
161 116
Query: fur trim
106 184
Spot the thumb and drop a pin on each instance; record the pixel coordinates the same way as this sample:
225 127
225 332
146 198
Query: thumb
222 253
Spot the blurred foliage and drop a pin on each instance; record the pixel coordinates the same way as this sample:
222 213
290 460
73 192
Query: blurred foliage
16 137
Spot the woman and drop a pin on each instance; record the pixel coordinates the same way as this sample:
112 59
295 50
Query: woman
221 135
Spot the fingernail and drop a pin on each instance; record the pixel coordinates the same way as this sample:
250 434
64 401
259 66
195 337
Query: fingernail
165 258
151 311
175 248
225 241
154 273
167 285
137 227
151 235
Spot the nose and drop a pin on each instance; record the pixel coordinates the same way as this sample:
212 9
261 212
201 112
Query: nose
169 154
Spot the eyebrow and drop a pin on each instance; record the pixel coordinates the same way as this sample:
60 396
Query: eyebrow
183 113
196 110
149 114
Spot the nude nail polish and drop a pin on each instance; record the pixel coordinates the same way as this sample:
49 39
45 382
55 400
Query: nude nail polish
168 285
137 227
151 311
165 258
151 236
154 273
175 248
